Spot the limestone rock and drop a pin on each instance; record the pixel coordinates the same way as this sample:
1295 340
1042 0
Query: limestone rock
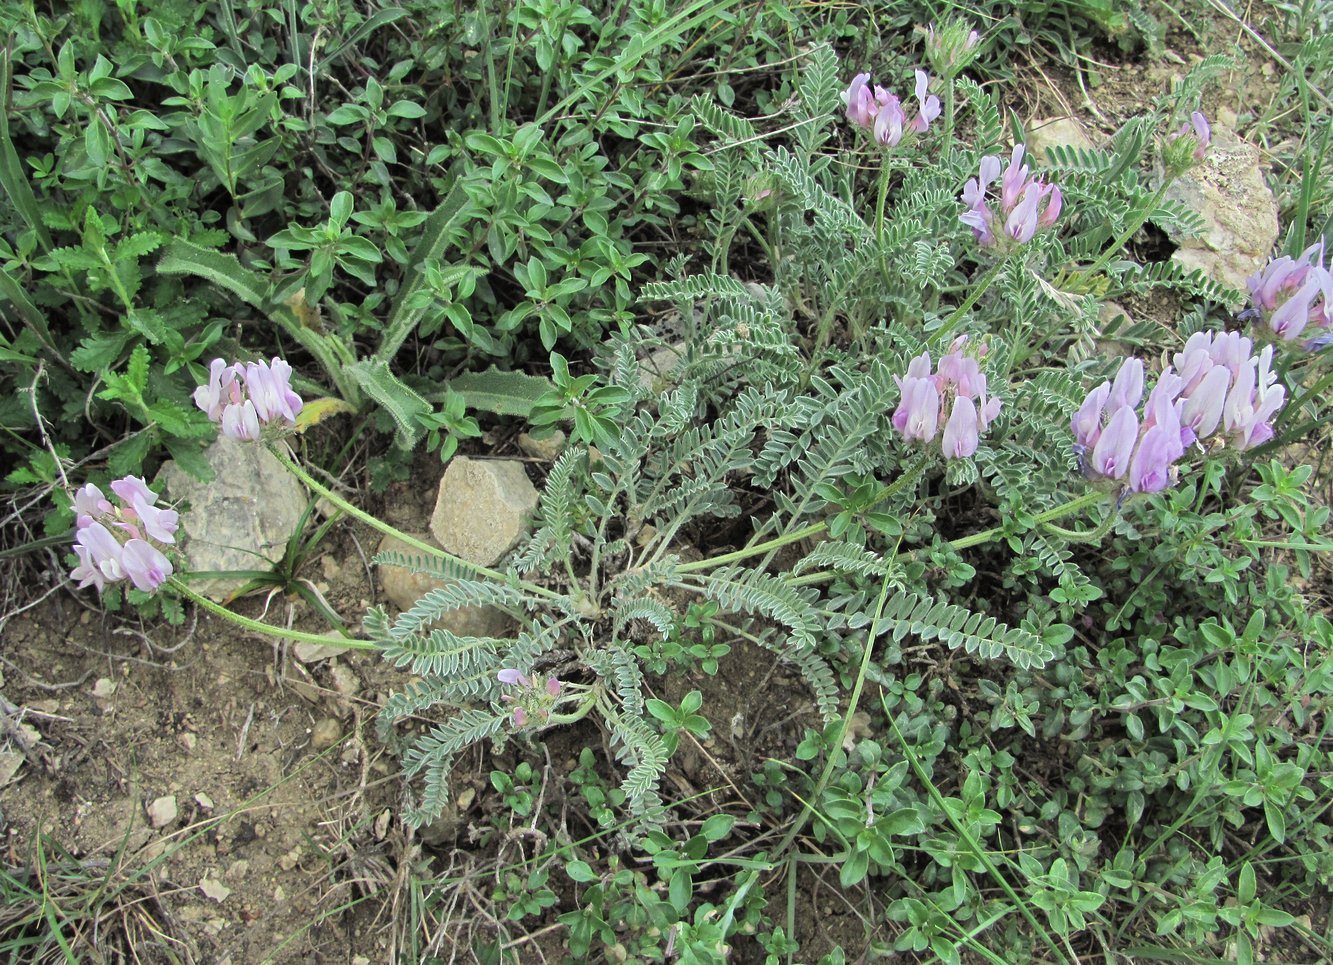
483 508
1240 212
545 447
242 519
163 811
655 370
1056 132
403 588
325 734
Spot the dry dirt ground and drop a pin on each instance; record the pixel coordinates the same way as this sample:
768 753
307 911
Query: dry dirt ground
284 844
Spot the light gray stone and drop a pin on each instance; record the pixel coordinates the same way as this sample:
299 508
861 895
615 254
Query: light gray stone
242 519
1056 131
1240 212
402 587
655 371
545 447
162 811
483 508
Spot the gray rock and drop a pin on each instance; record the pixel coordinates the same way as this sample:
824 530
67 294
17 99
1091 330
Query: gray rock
403 588
1056 131
655 371
1240 212
242 519
544 447
325 734
482 509
162 811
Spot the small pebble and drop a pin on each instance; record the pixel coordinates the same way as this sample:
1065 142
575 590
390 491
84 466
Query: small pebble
325 734
162 811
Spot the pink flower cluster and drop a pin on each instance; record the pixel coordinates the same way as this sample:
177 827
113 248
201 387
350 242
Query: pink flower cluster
1217 386
121 542
954 395
951 46
1025 203
1111 441
536 699
1294 297
242 398
1187 146
882 113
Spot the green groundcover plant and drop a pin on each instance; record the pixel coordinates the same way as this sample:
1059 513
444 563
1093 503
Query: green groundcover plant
1062 567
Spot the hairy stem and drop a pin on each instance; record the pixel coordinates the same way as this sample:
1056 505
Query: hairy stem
255 626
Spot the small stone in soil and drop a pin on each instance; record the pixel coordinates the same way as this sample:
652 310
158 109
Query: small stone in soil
325 734
162 811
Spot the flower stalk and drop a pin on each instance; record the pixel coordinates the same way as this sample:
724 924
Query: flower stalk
350 643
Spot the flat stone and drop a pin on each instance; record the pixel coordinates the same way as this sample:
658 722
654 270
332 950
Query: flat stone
1049 132
483 508
241 519
1239 210
544 447
325 734
402 587
162 811
655 371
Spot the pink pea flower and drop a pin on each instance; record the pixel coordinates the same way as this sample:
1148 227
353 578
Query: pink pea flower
961 433
1188 146
1024 206
1116 446
245 398
861 106
145 565
117 542
1111 456
951 46
954 397
1294 298
881 113
533 700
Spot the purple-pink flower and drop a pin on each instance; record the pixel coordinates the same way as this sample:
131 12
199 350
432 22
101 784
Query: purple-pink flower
114 543
1226 388
951 46
882 113
1294 298
535 698
953 396
1217 388
1114 444
1025 204
1188 146
244 397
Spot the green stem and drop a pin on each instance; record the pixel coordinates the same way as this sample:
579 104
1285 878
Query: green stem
1134 225
948 117
907 476
776 543
388 530
1043 520
589 702
255 626
1085 536
836 755
885 170
946 328
1077 504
